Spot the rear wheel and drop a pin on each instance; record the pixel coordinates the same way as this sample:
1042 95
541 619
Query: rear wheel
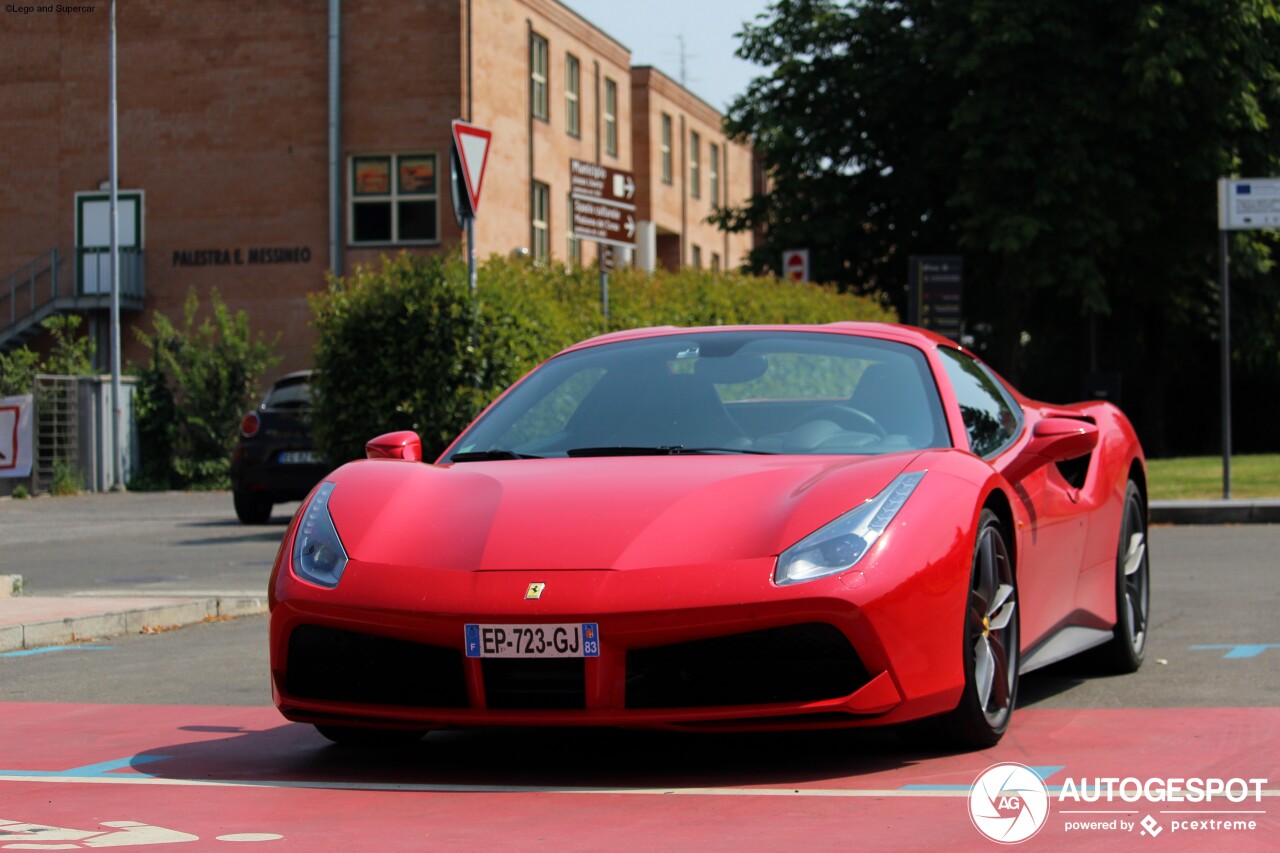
990 647
1128 645
251 508
369 738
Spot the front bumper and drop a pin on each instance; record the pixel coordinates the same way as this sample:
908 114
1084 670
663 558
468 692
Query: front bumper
681 647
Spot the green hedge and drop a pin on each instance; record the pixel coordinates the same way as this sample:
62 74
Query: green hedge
403 347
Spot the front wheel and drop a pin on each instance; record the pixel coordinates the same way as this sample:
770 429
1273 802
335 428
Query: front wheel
989 646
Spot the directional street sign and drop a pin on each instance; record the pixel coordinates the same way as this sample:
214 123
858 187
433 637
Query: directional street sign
604 222
472 146
935 293
588 180
602 204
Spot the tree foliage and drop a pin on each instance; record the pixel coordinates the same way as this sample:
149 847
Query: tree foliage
201 378
69 355
1069 151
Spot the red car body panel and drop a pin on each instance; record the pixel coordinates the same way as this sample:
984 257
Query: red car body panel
679 549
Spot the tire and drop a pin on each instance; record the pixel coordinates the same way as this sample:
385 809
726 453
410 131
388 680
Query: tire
252 509
1128 645
370 738
989 648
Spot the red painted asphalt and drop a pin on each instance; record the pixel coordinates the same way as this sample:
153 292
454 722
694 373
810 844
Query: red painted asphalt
242 775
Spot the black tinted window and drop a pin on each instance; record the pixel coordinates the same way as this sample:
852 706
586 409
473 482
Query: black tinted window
289 394
990 418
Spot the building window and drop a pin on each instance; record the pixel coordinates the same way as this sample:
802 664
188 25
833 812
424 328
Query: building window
538 76
695 256
715 262
713 174
664 147
540 227
695 164
572 82
574 244
610 117
394 199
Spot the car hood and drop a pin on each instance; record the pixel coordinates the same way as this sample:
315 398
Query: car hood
595 513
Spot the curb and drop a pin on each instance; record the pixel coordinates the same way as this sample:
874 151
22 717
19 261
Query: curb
132 620
1215 512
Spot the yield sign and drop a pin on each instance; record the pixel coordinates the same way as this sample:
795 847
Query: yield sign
472 144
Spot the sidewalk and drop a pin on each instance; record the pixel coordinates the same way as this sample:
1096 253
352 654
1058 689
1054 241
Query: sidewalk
1256 511
33 622
159 560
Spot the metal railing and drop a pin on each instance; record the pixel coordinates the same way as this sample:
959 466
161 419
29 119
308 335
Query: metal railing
78 278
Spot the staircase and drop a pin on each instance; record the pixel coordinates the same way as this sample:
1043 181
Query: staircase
52 284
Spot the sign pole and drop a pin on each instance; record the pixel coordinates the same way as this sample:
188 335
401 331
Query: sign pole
604 291
1244 204
116 463
1224 247
471 254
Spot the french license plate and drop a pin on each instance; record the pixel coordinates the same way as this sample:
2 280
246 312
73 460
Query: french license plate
299 457
569 640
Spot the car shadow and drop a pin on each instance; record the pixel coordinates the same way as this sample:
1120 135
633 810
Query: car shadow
268 535
555 759
1055 680
279 519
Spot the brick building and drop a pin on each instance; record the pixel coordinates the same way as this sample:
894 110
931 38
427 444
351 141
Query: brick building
250 162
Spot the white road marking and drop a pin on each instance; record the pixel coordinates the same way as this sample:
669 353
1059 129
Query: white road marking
413 787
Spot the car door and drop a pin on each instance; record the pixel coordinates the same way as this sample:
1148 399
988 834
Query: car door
1052 547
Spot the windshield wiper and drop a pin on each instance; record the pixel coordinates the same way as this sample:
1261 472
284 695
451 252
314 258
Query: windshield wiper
489 455
660 450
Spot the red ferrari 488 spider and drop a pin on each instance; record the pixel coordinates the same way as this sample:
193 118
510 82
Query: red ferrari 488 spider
719 528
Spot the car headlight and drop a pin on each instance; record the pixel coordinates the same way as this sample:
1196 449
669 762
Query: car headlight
318 555
837 546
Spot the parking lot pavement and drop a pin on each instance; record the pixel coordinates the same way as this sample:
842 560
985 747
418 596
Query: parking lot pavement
99 565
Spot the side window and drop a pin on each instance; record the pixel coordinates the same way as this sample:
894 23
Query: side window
990 418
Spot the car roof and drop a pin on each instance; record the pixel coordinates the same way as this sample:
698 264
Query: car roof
292 377
922 338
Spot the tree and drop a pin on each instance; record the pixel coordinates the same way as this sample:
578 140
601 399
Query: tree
1067 150
201 378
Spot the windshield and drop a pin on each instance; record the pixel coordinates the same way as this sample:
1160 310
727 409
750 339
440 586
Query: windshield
718 392
291 393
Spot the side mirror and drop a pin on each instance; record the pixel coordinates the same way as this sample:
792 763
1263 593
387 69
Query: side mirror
404 445
1052 440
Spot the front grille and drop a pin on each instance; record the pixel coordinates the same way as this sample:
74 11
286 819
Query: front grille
345 666
548 684
796 663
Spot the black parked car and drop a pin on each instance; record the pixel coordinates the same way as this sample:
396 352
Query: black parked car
276 459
